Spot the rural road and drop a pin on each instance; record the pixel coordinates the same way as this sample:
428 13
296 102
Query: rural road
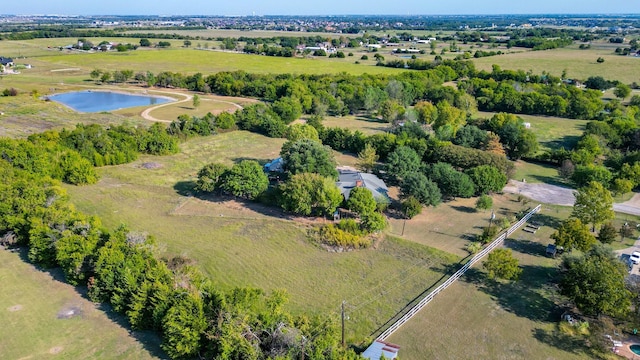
559 195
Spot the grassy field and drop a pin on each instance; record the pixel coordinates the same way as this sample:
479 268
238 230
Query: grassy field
240 244
366 125
580 64
477 318
32 309
452 225
551 132
208 104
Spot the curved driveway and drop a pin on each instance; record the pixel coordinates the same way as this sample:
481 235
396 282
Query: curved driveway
560 195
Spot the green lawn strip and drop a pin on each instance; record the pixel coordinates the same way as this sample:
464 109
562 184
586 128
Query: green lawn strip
31 302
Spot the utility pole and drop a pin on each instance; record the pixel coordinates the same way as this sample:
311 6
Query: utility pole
344 345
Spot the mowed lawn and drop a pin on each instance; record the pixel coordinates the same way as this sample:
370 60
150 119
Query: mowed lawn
239 244
32 307
479 319
580 64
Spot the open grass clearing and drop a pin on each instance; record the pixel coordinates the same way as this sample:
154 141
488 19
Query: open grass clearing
551 132
42 318
258 246
580 64
452 225
535 172
208 104
365 125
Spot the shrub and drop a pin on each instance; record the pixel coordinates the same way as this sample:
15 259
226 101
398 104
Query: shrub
334 236
488 234
10 92
411 207
373 222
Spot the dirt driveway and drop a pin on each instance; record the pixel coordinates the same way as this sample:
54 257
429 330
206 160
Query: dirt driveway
559 195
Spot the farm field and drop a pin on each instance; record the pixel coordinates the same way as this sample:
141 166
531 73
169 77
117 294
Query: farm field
240 244
36 318
580 64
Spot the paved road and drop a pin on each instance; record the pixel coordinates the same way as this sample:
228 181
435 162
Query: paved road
560 195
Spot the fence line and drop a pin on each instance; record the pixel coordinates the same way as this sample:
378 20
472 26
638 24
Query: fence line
497 242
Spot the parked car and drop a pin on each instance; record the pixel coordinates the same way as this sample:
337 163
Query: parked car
635 257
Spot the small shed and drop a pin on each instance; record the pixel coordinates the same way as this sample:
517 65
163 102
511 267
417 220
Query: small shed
379 348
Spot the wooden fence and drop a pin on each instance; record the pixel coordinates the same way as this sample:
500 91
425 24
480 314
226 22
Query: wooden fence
414 310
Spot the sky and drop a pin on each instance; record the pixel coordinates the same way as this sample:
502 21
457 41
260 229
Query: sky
319 7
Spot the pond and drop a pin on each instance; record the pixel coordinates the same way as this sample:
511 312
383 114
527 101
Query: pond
97 101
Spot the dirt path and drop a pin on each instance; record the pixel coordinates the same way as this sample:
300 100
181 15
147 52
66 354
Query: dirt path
560 195
146 114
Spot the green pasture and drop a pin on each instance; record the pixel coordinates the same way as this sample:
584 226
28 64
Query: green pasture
367 126
33 307
205 61
551 132
247 244
208 104
580 64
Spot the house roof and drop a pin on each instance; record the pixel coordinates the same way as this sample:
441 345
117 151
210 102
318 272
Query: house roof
5 61
349 179
379 348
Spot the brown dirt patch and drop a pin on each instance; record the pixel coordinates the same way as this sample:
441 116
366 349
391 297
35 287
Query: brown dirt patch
15 308
151 166
56 350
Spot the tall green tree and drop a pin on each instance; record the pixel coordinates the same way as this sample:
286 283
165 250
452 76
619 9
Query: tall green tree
210 177
245 179
402 161
595 282
622 91
573 233
308 156
367 158
361 201
419 186
310 194
594 204
487 179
